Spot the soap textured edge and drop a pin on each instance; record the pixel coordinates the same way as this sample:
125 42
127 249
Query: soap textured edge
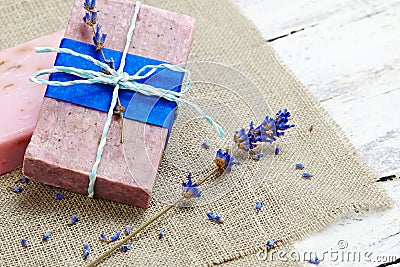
75 182
11 161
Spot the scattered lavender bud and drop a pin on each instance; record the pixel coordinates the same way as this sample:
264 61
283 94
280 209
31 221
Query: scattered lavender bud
111 63
212 216
103 237
306 175
259 205
218 219
24 243
90 18
86 251
86 254
127 230
224 161
271 243
126 247
73 220
299 166
205 145
316 261
24 180
115 236
46 236
60 196
277 151
160 234
258 156
16 189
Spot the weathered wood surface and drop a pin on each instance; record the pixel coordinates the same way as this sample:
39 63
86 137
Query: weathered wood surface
346 52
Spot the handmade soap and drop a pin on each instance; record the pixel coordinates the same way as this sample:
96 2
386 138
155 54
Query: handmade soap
20 100
64 145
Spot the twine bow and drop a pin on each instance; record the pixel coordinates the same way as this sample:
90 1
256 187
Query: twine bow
121 80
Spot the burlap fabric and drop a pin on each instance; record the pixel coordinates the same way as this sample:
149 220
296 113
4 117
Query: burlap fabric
293 208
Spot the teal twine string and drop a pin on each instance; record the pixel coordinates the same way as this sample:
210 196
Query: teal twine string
121 80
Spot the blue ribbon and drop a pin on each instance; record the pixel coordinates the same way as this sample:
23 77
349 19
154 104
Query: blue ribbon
148 109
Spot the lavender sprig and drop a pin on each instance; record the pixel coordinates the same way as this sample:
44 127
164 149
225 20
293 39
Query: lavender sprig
99 38
189 188
267 132
59 196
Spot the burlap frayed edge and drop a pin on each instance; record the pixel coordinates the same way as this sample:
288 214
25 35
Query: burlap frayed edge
386 201
288 241
342 211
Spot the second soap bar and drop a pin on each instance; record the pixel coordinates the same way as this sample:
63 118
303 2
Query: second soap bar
20 99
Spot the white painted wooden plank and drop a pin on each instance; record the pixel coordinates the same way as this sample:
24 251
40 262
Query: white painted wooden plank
354 70
277 18
372 236
383 153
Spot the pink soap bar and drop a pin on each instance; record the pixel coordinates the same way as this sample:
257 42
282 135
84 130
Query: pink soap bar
20 99
64 145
